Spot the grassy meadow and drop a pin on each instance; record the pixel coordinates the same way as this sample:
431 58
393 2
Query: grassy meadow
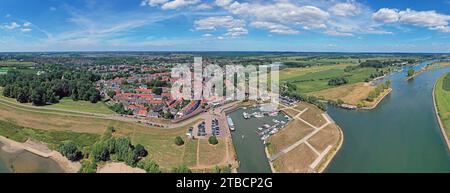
442 94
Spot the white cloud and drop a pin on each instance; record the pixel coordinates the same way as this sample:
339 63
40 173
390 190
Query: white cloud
345 9
203 6
166 4
26 29
283 12
445 29
386 15
222 3
424 18
336 33
430 19
274 27
26 24
207 35
153 3
12 26
234 27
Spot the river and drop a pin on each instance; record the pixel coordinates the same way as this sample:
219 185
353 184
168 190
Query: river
26 162
249 146
401 135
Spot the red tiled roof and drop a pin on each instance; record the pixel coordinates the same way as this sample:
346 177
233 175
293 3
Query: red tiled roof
143 90
142 112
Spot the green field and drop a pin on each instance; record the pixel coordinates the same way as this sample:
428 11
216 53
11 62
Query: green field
163 150
316 78
83 106
15 62
443 101
52 138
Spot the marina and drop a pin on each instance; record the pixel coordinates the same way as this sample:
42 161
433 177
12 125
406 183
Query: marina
249 137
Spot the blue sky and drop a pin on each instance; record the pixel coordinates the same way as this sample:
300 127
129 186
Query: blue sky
221 25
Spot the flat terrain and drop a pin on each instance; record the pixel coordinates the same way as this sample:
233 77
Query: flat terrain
83 106
307 143
443 102
289 135
350 94
53 127
315 79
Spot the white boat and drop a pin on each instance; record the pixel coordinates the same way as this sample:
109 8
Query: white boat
273 114
259 115
260 129
266 126
264 137
275 121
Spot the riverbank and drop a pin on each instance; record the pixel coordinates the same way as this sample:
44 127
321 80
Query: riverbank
380 98
441 125
41 150
307 144
331 155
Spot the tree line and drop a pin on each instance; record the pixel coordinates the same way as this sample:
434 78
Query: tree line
50 87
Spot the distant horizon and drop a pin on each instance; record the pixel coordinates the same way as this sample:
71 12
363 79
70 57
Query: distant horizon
342 26
229 51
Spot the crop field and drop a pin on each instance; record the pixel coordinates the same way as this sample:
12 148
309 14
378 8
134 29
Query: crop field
316 79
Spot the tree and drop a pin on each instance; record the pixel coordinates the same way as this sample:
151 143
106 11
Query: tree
111 93
179 141
213 140
70 150
140 150
38 96
149 166
411 72
337 81
100 152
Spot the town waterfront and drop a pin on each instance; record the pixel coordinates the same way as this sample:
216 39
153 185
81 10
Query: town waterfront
248 144
400 135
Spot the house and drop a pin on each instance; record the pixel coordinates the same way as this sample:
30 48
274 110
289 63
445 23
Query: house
142 113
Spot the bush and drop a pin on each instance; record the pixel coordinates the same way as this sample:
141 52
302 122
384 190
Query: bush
149 166
88 167
411 72
140 150
70 150
100 152
213 140
179 141
337 81
181 169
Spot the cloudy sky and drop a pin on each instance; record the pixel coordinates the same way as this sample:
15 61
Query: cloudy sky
220 25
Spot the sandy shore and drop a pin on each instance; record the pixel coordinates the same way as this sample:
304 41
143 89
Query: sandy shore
40 149
119 168
441 125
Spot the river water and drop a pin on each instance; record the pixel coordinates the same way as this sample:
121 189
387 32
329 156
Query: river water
26 162
249 146
401 135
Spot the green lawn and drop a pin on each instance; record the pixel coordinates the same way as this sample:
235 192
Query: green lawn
53 138
312 80
83 106
443 104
